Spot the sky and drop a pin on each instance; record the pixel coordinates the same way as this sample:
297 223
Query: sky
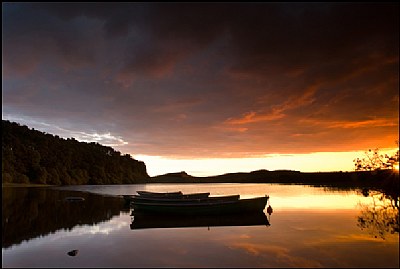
208 88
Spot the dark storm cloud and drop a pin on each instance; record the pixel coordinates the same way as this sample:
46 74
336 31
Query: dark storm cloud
207 79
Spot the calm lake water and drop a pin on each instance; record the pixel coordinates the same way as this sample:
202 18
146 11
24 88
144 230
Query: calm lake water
309 227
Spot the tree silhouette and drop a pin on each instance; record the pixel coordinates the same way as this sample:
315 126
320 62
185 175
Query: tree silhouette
31 156
374 160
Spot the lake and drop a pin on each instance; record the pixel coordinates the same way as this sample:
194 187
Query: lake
309 227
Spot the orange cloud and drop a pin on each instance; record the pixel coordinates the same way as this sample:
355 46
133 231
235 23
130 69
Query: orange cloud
346 124
365 123
252 116
277 111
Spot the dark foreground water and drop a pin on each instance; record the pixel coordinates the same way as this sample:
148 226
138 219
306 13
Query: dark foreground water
309 227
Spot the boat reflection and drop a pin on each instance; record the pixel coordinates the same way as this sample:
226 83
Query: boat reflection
141 220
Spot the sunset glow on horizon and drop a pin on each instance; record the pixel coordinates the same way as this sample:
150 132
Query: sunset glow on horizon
208 88
311 162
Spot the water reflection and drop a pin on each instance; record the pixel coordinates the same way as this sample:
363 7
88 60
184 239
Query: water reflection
303 233
380 216
145 221
32 212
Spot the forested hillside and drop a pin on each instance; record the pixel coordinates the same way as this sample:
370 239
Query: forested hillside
31 156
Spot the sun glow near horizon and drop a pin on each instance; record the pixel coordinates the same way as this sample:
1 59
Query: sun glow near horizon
311 162
396 167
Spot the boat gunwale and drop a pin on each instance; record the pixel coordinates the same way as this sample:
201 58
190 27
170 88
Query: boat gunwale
135 198
160 194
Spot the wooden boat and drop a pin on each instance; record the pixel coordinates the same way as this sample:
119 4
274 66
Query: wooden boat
141 220
203 207
190 198
166 195
160 194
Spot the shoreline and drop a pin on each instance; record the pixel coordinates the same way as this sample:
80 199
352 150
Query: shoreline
383 178
6 185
